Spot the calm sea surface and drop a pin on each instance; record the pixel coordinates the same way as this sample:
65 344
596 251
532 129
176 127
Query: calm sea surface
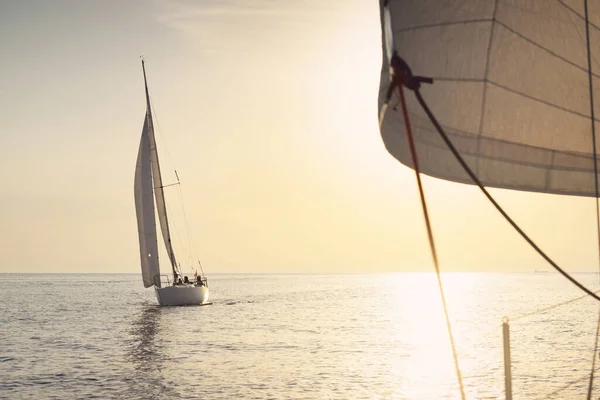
293 337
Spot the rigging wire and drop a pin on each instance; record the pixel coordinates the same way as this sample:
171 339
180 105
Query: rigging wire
160 188
568 385
191 247
170 158
493 331
593 121
162 137
201 269
413 83
552 307
413 152
176 233
187 231
477 182
572 10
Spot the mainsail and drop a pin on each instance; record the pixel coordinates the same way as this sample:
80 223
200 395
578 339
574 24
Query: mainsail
148 187
511 89
157 179
144 207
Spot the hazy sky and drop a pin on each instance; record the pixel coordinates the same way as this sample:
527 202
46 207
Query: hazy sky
268 111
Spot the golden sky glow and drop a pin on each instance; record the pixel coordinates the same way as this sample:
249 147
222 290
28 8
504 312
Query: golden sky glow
268 111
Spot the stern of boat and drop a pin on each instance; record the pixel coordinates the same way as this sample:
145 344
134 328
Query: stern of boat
181 295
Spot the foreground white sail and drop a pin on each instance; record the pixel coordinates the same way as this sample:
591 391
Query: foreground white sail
511 90
149 190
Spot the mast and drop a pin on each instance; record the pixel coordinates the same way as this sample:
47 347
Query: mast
157 181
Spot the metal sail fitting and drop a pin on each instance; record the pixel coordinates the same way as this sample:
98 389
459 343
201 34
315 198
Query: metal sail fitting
403 74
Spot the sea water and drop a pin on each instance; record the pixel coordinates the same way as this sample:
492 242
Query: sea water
294 336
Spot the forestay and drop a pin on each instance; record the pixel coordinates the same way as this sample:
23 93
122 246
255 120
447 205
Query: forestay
511 89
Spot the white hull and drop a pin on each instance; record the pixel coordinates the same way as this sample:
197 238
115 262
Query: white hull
181 295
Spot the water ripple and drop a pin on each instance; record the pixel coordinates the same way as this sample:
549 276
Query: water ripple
282 336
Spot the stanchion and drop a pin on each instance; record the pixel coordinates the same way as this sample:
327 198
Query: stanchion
507 361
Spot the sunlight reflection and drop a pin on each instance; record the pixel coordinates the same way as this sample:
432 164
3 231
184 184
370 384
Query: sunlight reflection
147 356
416 315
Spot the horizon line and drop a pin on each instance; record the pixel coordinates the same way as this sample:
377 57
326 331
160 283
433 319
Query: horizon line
304 273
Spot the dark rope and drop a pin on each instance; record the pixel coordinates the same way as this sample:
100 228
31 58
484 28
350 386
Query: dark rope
414 83
591 87
493 201
400 79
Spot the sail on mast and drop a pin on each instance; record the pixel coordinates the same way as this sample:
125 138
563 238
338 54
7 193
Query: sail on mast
157 180
144 207
510 89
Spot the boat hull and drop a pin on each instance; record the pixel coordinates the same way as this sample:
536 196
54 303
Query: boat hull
181 295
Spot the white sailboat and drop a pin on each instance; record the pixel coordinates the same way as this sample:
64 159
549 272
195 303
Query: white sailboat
149 191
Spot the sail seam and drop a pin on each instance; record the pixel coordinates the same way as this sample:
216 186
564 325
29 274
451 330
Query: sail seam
471 136
425 26
530 97
495 21
485 86
562 3
504 159
546 49
522 94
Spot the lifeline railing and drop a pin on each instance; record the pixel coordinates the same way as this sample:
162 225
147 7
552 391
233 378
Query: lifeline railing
166 281
162 281
507 353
